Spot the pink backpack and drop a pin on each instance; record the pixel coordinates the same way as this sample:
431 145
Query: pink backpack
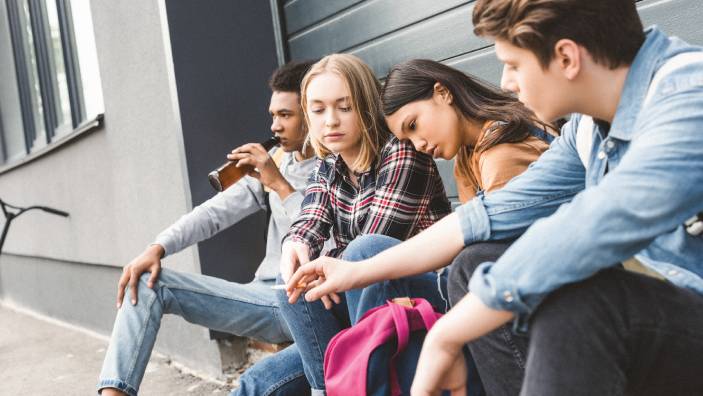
347 355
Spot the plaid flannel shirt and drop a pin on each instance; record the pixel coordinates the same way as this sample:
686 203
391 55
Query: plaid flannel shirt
401 195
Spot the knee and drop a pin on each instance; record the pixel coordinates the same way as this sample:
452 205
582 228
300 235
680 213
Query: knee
578 306
144 292
466 262
476 254
366 246
247 384
290 310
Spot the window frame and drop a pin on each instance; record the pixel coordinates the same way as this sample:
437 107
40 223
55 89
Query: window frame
47 78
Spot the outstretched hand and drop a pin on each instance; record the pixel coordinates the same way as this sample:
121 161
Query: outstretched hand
323 277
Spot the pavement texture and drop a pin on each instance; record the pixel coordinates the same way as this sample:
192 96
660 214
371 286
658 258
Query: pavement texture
38 357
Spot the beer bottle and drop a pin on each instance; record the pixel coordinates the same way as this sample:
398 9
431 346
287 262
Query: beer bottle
229 173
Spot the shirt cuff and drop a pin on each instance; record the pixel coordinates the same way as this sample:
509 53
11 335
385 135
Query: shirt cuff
167 244
474 221
499 294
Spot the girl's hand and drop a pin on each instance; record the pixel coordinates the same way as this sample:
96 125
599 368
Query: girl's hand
322 277
293 255
441 367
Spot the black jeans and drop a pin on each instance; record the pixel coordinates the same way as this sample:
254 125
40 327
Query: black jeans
501 355
616 333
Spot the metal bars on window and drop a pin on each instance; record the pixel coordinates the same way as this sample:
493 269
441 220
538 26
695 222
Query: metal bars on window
48 72
21 65
73 73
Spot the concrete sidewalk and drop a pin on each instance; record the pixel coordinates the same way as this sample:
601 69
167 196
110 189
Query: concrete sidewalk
39 357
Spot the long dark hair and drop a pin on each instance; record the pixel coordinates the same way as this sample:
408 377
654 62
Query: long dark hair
477 100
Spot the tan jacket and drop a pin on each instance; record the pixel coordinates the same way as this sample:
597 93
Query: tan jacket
495 167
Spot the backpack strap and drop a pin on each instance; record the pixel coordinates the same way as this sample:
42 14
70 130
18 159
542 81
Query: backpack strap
541 134
429 316
402 328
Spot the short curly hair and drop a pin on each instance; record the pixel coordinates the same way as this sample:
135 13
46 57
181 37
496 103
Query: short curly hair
288 77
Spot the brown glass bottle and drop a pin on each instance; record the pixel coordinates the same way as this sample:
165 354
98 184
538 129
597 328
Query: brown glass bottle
229 173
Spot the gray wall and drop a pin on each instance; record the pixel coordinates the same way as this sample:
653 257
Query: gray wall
183 83
121 185
386 32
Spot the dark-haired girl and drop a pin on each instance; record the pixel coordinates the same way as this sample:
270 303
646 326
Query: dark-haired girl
449 114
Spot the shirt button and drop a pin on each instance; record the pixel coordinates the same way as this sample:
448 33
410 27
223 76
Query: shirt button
610 144
508 296
672 272
601 155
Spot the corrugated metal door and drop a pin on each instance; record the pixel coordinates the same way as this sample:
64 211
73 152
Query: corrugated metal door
385 32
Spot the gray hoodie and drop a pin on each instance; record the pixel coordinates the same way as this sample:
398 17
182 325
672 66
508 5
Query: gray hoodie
237 202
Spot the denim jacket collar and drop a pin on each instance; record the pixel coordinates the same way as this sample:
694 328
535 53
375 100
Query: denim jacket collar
645 64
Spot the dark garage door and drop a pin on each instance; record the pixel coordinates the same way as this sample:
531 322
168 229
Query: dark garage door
385 32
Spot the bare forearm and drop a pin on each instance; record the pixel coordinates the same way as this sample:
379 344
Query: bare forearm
441 364
433 248
283 188
467 321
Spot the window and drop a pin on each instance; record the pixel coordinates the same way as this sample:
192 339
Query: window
57 71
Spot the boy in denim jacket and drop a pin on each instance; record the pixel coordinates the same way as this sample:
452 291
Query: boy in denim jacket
606 279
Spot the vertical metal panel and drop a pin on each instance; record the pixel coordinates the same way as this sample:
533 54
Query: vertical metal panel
21 68
223 55
279 31
72 67
47 72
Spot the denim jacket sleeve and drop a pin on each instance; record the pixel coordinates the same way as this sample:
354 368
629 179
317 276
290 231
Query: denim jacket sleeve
656 185
553 179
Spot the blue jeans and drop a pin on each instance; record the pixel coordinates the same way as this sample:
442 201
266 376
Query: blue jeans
313 326
247 310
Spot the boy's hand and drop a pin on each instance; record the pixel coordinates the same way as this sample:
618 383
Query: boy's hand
441 367
441 364
264 169
148 261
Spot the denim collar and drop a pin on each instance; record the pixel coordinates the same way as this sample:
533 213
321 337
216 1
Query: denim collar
647 61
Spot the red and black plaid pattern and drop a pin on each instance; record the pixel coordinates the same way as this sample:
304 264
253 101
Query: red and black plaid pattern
401 195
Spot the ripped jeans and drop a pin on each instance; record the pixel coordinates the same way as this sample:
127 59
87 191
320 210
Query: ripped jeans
313 326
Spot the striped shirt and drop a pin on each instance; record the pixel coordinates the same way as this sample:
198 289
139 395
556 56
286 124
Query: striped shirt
401 195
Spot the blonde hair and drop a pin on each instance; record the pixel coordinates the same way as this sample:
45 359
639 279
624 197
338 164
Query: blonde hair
364 89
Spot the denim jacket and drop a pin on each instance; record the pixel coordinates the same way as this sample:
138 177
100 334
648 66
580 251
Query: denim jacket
643 180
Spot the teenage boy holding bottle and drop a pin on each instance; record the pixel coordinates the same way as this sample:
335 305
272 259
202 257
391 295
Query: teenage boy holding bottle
146 291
